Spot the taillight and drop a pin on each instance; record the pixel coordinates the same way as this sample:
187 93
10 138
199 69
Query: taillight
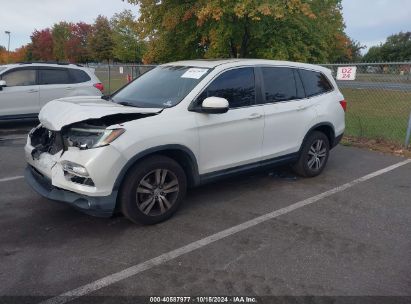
99 86
343 103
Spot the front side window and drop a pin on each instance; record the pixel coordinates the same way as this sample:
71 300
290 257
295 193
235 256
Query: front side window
21 77
280 84
54 76
237 86
315 83
161 87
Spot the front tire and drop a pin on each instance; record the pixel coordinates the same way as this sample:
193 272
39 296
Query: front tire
153 190
314 155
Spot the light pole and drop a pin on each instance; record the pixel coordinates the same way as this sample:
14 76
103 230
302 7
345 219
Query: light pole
8 46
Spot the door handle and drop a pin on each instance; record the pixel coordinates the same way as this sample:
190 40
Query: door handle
300 108
255 116
69 88
32 91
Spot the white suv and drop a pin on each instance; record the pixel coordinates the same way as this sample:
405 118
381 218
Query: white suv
180 125
26 87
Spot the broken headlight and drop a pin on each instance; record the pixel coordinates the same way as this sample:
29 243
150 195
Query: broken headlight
87 138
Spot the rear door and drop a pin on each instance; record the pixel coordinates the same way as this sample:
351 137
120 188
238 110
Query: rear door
54 83
233 138
288 113
21 95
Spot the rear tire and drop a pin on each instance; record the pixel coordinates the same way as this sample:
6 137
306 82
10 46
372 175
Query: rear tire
314 155
153 190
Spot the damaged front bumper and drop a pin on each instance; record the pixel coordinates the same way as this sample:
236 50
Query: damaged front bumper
101 206
48 174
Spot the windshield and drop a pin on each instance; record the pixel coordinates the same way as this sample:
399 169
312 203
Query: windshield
162 87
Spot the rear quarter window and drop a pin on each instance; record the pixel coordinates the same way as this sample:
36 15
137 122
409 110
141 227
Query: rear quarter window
79 76
315 83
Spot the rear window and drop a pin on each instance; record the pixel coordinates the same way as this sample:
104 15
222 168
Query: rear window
54 76
78 76
315 83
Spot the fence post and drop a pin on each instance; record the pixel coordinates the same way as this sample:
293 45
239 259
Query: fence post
407 137
109 79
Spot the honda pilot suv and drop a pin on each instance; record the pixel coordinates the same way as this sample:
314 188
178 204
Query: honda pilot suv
26 87
180 125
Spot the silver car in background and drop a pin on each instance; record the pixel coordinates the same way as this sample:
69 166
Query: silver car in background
26 87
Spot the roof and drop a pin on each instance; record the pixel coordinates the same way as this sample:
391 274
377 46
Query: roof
203 63
207 63
20 64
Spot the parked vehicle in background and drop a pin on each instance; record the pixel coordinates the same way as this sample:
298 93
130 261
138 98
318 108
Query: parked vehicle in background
26 87
183 124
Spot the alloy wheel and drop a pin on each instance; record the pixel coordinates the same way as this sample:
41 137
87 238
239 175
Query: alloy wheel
157 192
317 155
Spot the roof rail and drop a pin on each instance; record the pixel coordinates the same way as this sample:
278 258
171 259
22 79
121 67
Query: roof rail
44 62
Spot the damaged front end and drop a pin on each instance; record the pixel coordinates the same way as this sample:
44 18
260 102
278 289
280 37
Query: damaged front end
77 164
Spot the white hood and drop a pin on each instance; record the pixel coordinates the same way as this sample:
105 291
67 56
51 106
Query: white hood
65 111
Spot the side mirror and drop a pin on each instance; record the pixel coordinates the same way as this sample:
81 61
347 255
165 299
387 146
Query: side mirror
214 105
2 84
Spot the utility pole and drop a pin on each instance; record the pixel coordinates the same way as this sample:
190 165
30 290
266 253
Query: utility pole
8 46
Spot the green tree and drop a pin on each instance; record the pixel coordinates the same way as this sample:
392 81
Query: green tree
127 47
396 48
101 41
305 30
61 33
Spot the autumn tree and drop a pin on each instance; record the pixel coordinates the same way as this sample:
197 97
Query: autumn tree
20 54
41 46
101 41
76 47
61 33
127 47
303 30
3 55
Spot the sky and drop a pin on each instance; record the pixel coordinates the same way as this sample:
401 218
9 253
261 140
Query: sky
368 21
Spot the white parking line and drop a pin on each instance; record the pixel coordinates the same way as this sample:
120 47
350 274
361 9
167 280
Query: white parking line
161 259
7 179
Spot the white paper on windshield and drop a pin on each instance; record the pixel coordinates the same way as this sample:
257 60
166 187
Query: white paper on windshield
194 73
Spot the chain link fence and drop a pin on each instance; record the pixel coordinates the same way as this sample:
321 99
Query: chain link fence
115 76
378 100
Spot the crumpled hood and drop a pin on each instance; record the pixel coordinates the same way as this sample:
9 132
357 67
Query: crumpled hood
65 111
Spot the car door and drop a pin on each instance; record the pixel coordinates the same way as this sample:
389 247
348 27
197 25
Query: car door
288 113
54 83
233 138
21 94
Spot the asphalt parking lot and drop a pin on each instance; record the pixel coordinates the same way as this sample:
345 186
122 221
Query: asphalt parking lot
353 241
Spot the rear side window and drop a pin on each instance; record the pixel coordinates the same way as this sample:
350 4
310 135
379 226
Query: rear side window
280 84
78 76
237 86
54 76
315 83
21 77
